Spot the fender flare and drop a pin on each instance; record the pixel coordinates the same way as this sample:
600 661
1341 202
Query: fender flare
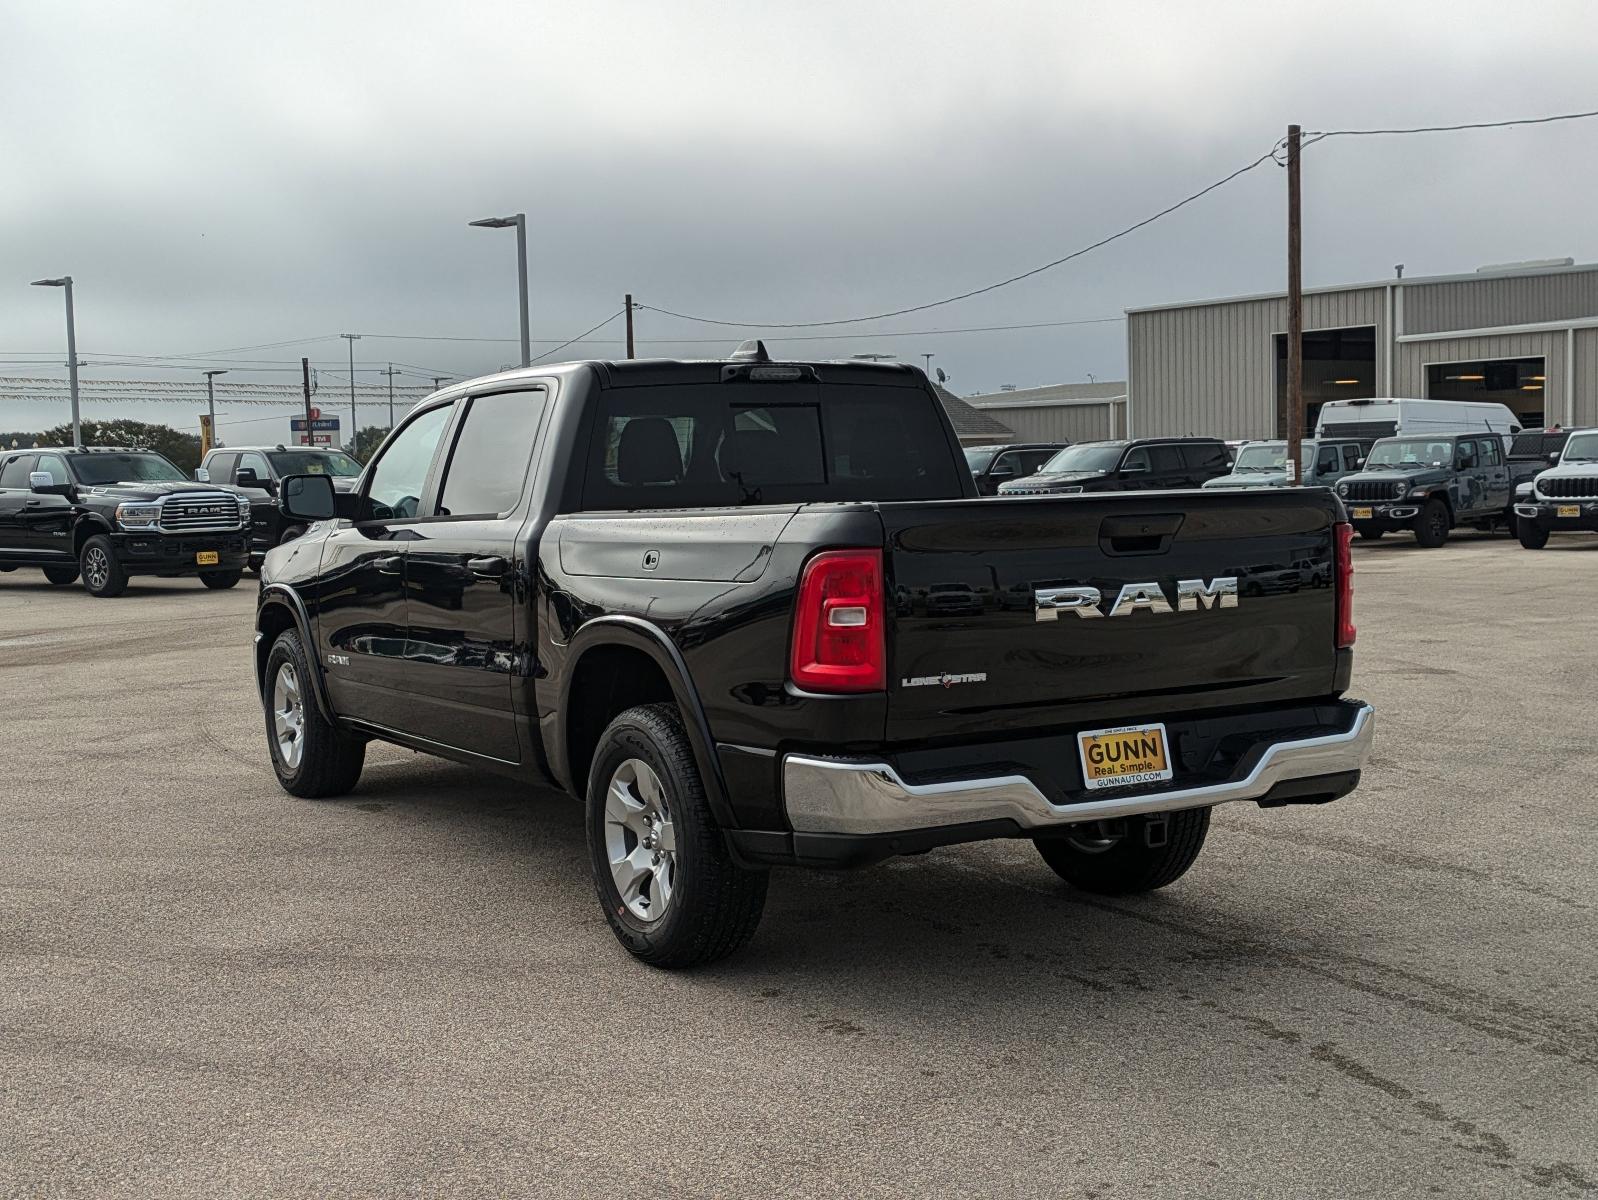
91 521
278 595
638 634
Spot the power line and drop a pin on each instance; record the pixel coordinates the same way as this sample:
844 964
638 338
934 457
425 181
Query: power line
1268 156
580 336
1322 135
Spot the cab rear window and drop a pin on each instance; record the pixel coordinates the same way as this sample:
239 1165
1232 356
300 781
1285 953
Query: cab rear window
715 445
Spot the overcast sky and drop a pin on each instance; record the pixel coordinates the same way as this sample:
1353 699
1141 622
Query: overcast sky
229 175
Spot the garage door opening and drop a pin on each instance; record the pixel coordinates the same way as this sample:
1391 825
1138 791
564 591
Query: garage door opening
1339 364
1516 382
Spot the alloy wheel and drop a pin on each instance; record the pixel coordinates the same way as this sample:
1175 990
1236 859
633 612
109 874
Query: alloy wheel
640 840
288 717
96 567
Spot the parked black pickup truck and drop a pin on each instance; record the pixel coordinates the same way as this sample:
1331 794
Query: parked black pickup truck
108 514
754 613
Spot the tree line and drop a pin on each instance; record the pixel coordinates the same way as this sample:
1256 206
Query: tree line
182 448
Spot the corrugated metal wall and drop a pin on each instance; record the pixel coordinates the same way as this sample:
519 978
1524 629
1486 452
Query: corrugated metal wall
1210 369
1409 375
1059 422
1586 378
1499 300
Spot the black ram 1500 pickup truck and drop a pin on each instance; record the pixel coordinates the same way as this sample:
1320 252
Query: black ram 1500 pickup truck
107 514
754 614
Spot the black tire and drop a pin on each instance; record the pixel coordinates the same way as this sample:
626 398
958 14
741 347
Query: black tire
102 575
1431 527
714 905
8 570
220 580
289 534
1125 864
1371 535
60 576
330 760
1532 536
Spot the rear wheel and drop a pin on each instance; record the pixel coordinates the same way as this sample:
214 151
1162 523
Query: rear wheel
1115 858
311 756
60 576
1431 527
1532 536
102 575
669 887
219 580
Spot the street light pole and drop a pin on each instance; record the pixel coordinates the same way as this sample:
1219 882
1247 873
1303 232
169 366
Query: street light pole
355 425
519 221
72 352
210 403
929 358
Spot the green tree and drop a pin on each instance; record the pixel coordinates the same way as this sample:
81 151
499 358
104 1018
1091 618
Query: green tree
182 448
367 441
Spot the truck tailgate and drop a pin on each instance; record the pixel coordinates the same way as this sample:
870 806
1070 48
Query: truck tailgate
971 653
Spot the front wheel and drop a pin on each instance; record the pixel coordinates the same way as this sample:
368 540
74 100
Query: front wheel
102 575
1431 528
1532 536
220 580
1116 858
669 887
61 576
311 756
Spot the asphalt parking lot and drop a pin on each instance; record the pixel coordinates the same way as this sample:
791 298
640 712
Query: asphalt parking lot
210 988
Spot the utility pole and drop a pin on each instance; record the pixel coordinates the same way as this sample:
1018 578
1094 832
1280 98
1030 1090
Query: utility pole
629 306
72 351
390 373
438 381
355 425
1293 419
210 403
305 369
929 358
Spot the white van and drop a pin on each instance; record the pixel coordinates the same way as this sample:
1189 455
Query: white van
1366 420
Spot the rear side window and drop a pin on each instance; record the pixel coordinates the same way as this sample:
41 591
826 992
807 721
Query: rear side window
15 473
488 467
1205 456
725 444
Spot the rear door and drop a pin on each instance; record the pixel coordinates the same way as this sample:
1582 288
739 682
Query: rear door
361 609
1271 642
469 644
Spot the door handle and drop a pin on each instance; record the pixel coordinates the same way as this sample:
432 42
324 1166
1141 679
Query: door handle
30 504
390 564
491 567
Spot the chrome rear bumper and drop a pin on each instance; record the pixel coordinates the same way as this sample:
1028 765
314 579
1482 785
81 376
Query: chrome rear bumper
825 795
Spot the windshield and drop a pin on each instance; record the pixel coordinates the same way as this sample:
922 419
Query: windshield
1262 456
1410 452
978 458
1087 456
96 469
314 462
1581 448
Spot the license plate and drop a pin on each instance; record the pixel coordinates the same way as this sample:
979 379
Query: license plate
207 558
1362 514
1127 754
1570 510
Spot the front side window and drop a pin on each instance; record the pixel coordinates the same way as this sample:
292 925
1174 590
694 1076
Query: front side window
255 462
52 466
97 470
399 477
1467 456
16 471
314 462
978 458
488 467
1350 458
220 467
1137 460
1488 448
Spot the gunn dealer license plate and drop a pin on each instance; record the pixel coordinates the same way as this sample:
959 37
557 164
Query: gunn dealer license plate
1570 510
1362 514
207 558
1128 754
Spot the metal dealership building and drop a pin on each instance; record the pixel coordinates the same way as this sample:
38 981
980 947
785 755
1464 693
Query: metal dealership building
1524 334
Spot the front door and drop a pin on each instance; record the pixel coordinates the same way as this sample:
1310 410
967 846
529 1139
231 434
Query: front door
361 611
46 519
469 653
14 493
1472 478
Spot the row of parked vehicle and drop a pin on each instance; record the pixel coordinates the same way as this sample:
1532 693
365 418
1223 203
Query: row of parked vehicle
1423 467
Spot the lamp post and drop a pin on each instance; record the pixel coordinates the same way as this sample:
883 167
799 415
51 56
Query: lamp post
72 351
355 426
520 222
210 403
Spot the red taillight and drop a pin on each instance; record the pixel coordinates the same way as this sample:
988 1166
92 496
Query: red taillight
839 640
1343 542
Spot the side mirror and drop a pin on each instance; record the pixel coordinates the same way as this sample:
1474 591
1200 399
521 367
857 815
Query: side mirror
45 485
246 477
1553 459
1359 464
201 475
307 497
1134 468
1002 473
